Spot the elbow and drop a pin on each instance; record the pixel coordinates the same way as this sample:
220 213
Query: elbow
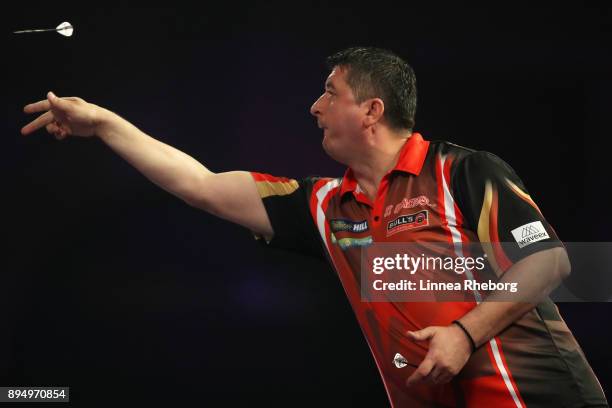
189 196
564 266
193 200
195 194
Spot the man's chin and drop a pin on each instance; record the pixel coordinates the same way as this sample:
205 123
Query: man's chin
331 152
326 147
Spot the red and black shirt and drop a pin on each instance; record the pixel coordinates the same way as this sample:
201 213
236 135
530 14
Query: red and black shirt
437 192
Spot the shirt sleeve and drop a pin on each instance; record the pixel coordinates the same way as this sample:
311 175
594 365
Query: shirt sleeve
287 203
495 203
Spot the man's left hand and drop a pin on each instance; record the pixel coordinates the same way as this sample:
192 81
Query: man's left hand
449 350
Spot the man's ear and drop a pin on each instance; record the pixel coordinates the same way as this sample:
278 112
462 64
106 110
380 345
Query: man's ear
375 110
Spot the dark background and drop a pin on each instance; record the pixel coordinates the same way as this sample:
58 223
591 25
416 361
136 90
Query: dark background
117 289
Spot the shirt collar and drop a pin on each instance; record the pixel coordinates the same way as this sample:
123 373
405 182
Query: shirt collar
411 159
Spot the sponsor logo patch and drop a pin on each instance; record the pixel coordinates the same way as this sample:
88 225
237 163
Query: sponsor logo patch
348 226
408 221
529 233
408 203
346 243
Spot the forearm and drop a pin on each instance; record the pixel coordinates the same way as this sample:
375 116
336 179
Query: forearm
167 167
536 276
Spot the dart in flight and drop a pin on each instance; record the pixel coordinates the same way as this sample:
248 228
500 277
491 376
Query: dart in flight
66 29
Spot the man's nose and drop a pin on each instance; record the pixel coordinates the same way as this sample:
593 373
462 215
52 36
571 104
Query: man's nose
314 109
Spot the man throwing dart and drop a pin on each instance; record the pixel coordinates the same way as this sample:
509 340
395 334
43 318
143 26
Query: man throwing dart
400 188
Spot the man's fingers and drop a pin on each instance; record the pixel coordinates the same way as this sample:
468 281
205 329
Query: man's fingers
444 378
39 106
56 130
421 372
440 375
424 334
61 135
52 128
51 101
62 104
41 121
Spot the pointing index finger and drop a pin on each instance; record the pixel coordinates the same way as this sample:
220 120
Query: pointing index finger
39 106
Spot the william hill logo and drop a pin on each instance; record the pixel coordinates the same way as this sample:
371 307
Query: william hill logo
348 225
529 233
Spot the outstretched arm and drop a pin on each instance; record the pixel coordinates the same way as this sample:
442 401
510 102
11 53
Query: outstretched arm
232 195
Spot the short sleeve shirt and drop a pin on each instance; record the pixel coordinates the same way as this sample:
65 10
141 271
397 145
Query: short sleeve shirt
437 192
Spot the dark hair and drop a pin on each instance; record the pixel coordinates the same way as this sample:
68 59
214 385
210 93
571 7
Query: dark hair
378 73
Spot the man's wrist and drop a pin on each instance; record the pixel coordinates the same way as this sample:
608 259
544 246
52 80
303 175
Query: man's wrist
467 334
104 122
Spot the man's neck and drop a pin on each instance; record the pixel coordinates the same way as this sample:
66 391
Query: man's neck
370 169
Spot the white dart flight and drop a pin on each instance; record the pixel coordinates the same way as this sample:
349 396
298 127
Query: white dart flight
66 29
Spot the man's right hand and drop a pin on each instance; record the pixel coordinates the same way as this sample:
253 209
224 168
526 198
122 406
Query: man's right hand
70 116
231 195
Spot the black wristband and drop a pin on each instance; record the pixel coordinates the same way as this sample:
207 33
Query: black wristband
467 333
